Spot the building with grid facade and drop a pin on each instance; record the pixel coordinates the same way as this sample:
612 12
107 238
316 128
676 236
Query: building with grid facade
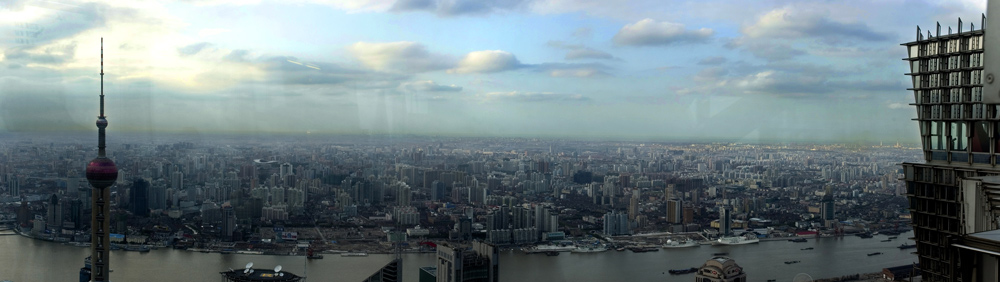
959 135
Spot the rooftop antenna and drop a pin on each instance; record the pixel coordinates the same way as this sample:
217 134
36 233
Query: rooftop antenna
959 25
938 34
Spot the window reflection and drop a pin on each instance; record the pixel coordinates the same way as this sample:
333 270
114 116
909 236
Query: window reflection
957 136
980 137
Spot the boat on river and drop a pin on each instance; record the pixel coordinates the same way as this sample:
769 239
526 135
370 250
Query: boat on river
549 248
737 240
683 271
589 249
670 244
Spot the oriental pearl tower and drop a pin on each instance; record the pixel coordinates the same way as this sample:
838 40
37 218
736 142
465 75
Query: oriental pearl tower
101 173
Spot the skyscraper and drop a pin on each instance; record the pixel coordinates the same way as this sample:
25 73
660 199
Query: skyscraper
228 222
284 170
177 180
139 198
633 207
616 224
674 211
53 213
947 193
13 185
157 197
457 264
826 208
101 174
725 221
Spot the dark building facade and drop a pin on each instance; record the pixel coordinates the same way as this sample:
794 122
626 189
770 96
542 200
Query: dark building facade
139 198
477 264
388 273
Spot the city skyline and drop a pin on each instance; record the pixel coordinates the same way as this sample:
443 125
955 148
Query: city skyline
774 71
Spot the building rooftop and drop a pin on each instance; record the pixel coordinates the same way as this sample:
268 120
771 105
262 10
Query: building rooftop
992 235
432 270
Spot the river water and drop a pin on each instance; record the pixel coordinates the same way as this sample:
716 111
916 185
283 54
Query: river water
28 260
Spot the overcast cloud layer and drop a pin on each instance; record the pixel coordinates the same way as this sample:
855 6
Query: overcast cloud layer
639 69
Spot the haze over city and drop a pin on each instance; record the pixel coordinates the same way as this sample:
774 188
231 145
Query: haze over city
499 140
729 70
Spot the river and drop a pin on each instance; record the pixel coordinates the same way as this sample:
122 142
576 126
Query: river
28 260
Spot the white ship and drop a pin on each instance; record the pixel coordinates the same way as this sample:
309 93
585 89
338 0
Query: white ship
549 248
670 244
359 254
589 249
737 240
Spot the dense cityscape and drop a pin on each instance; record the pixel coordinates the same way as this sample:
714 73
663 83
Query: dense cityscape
289 195
403 140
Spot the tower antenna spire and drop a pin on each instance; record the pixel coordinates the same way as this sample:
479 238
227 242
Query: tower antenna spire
102 78
101 174
101 121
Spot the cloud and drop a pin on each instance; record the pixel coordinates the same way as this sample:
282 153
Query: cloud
221 2
414 5
50 55
293 71
488 61
447 8
781 84
238 55
58 21
793 80
579 52
712 61
788 80
588 54
766 49
572 70
429 86
402 56
193 48
792 23
529 97
648 32
710 75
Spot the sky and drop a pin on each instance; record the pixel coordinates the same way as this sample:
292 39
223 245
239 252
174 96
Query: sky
744 71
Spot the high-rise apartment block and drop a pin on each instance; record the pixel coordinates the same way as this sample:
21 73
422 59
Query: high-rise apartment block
616 224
